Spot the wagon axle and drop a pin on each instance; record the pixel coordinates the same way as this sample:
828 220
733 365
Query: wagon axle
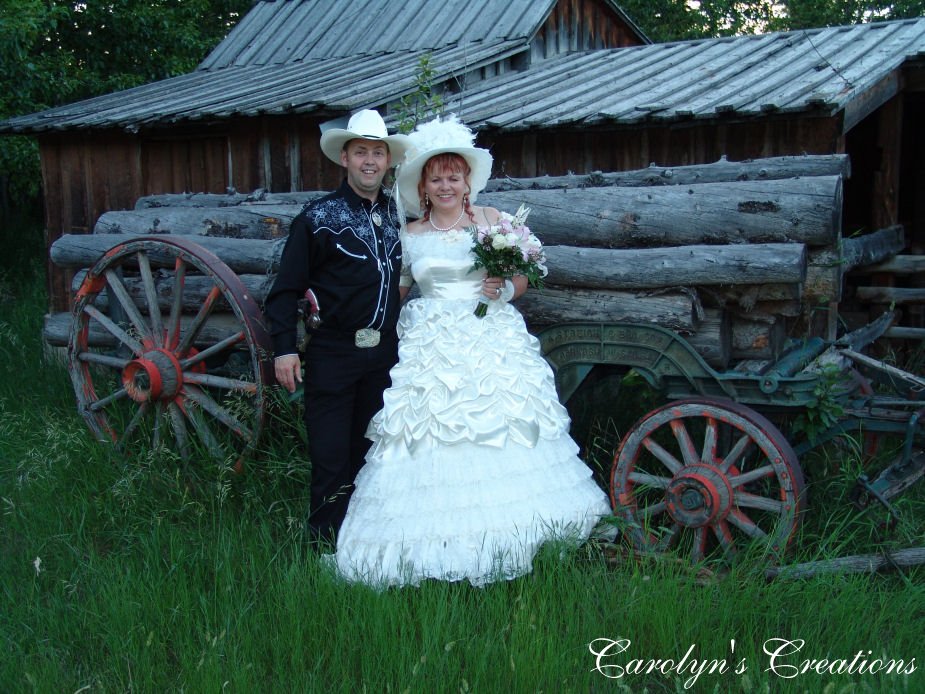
154 376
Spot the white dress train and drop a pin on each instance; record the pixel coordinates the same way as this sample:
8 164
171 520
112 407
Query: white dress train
471 467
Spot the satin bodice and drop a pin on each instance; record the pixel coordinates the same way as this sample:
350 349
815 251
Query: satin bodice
441 264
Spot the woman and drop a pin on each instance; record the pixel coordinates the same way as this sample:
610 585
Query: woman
471 467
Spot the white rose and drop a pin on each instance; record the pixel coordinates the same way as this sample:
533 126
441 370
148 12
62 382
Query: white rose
500 242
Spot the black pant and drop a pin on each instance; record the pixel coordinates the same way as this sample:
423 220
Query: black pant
343 390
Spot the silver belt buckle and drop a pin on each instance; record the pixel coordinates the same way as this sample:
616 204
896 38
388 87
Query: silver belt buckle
366 337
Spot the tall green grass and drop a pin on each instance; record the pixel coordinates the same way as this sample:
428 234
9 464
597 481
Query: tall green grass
142 574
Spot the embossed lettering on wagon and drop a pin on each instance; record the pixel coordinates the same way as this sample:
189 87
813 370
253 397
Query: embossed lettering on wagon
560 336
572 353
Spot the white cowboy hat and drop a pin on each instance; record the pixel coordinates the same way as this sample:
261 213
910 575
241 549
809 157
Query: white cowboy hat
363 125
437 137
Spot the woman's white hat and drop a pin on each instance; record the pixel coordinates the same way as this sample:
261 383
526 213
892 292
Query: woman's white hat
437 137
363 125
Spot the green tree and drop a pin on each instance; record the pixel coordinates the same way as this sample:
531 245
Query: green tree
677 20
55 52
808 14
665 20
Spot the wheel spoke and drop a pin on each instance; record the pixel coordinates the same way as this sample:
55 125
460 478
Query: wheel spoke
688 452
98 405
699 547
751 476
762 503
131 310
724 536
736 452
176 308
668 537
229 341
135 421
104 359
115 330
154 309
158 415
667 459
198 322
745 524
201 426
248 387
646 514
654 481
178 425
708 452
202 399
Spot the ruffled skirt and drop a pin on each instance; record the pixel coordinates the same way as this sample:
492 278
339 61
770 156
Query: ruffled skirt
471 467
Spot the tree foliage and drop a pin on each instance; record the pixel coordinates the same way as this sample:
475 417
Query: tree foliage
675 20
55 52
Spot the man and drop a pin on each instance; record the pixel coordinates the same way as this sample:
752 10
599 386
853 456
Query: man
343 254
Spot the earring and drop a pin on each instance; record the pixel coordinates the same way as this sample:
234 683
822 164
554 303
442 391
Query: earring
426 200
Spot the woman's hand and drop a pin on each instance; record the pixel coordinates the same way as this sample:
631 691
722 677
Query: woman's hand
492 287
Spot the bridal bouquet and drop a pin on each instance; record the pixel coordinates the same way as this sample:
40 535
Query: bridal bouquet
506 249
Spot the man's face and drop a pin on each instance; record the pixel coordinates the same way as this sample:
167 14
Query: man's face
366 162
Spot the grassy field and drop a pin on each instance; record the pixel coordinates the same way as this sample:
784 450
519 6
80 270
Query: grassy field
146 575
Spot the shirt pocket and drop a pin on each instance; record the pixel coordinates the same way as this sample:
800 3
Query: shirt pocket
355 253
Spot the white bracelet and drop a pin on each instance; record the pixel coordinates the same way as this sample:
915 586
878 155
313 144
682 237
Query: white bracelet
508 292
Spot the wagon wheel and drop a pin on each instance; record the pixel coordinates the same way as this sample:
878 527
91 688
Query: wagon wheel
149 371
705 475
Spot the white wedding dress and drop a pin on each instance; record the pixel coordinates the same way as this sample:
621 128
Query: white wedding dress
471 467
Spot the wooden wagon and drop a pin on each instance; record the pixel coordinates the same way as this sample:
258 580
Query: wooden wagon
166 343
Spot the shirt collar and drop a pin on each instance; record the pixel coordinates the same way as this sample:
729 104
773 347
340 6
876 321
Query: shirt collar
355 201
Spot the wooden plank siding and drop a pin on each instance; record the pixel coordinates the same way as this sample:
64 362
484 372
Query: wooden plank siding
99 172
581 25
83 178
557 152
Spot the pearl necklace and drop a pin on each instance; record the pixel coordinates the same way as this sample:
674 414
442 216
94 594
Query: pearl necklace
431 220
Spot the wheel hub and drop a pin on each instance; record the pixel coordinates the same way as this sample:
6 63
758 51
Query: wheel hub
698 495
156 375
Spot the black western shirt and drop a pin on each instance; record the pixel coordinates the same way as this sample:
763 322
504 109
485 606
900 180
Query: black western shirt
346 249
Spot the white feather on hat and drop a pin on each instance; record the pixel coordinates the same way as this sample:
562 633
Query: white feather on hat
435 137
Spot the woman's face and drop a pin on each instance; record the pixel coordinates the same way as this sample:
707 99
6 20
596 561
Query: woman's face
445 184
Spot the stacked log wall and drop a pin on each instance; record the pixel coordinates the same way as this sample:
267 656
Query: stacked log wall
732 255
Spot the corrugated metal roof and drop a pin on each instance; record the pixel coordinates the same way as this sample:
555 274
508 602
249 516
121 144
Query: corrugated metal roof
333 85
826 70
287 31
822 70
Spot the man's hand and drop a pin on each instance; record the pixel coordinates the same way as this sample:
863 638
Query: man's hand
288 370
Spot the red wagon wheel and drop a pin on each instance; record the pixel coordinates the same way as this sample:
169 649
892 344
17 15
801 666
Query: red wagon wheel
702 475
154 362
